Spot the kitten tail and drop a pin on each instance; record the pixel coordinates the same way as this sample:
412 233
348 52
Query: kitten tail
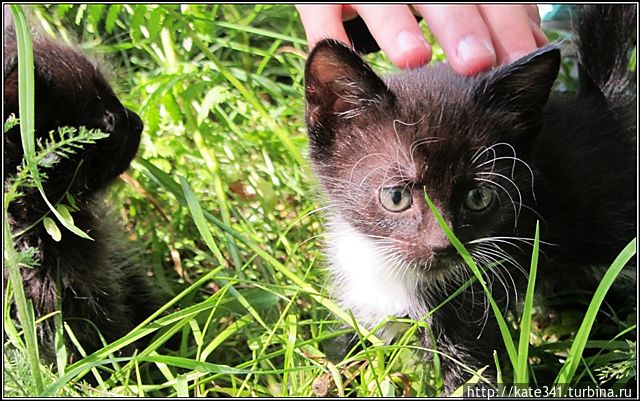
604 37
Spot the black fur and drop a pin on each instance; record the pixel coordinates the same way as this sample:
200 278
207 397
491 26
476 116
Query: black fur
429 129
103 288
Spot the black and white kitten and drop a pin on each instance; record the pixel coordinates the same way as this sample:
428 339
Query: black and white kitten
104 290
495 153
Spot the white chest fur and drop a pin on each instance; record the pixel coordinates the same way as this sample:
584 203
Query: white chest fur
368 279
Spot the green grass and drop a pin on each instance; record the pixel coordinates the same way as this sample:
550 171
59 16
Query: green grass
220 204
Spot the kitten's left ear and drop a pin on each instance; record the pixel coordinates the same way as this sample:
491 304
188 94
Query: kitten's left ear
523 87
338 83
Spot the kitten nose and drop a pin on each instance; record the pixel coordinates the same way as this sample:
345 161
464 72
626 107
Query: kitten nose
440 251
135 122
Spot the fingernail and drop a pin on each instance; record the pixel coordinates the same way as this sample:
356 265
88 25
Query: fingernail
473 47
407 41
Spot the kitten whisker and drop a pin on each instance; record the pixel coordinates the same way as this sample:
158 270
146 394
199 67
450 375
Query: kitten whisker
399 270
512 183
360 161
495 250
495 239
494 263
522 239
312 238
359 187
382 239
513 203
419 142
513 152
395 129
515 159
314 211
410 266
400 146
395 269
534 211
484 149
424 141
477 154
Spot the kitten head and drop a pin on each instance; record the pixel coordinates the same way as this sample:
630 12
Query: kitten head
70 91
377 144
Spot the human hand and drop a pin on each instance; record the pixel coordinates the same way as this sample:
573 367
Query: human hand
473 37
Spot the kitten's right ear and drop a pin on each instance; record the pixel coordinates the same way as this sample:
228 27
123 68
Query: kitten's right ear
339 84
522 88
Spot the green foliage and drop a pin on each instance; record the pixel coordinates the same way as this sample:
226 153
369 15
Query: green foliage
220 202
575 353
61 144
623 370
10 256
11 122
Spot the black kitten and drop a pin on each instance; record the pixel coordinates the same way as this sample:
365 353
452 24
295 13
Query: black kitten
495 153
104 291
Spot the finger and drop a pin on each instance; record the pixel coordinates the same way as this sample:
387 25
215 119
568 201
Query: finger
533 13
396 30
538 34
510 29
534 21
321 22
463 35
348 12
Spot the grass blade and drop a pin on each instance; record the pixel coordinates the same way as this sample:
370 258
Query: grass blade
25 83
27 113
291 331
233 329
575 353
504 329
459 392
521 369
25 310
182 386
201 224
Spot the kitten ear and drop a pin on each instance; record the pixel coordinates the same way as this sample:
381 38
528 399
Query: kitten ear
523 87
338 83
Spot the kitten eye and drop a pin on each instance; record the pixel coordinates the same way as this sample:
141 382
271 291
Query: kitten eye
109 121
479 199
396 199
